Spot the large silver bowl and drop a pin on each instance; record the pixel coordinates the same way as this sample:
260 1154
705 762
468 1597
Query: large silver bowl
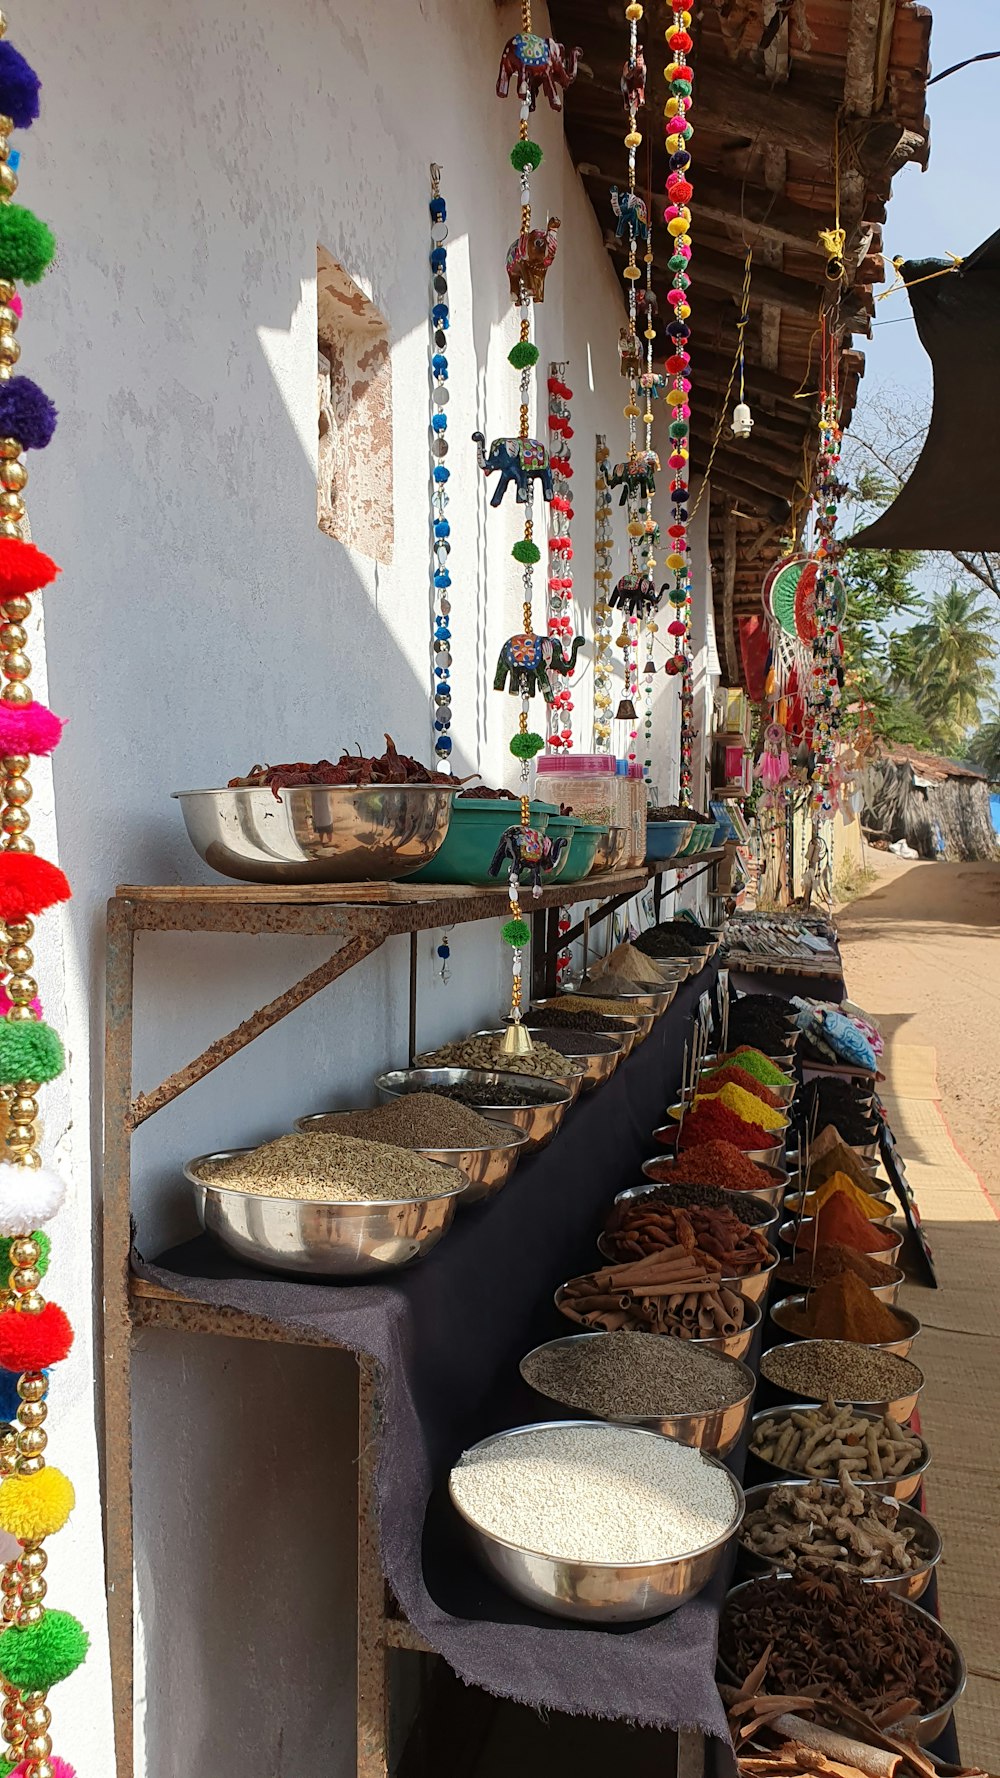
571 1082
715 1430
487 1169
539 1122
599 1063
611 849
735 1345
898 1407
782 1311
889 1254
772 1157
784 1094
315 833
598 1592
666 1186
908 1585
771 1194
922 1729
752 1285
319 1239
675 1111
886 1293
901 1487
623 1006
654 1000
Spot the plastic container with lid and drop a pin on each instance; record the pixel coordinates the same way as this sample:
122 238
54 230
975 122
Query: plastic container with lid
639 801
583 782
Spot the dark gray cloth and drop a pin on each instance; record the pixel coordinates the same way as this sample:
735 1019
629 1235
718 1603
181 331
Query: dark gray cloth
448 1336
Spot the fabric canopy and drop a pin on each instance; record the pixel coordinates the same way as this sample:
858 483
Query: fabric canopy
950 501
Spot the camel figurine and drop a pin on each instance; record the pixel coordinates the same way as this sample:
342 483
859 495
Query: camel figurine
528 850
528 260
634 82
540 64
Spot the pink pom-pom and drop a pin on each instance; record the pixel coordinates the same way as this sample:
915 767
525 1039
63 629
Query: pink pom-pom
61 1768
28 728
17 305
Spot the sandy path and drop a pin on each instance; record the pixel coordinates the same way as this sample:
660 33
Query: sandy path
922 953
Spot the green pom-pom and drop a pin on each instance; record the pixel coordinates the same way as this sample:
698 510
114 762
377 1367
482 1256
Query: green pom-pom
522 355
44 1246
27 245
525 154
29 1051
526 551
7 1766
515 933
34 1658
526 746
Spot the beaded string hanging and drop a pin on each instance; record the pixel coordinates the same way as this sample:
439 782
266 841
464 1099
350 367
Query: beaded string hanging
527 660
632 221
824 694
38 1646
440 545
603 550
651 383
677 216
560 619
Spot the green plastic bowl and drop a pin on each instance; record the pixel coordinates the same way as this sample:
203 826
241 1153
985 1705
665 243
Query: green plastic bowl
473 836
582 851
561 827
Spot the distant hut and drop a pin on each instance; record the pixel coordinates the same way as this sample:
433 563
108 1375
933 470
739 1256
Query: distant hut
938 806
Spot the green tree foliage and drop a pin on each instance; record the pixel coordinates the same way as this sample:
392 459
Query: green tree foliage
984 748
947 664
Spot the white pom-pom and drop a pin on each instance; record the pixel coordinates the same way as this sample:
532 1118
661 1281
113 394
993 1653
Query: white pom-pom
28 1197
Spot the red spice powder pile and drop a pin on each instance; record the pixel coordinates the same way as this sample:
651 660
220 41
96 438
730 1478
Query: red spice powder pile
714 1163
716 1123
839 1221
738 1077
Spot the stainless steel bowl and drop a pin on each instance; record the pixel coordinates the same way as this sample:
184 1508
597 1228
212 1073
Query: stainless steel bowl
715 1430
901 1487
674 1111
626 1006
571 1082
909 1585
319 1239
765 1223
316 833
792 1204
654 1000
715 1060
773 1157
781 1314
539 1122
752 1285
771 1195
735 1345
923 1729
888 1254
886 1293
599 1063
598 1592
487 1169
784 1094
611 849
898 1407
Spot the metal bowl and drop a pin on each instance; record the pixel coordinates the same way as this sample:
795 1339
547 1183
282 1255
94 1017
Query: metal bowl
627 1037
318 833
571 1082
886 1293
784 1094
611 849
319 1239
735 1345
901 1487
654 1000
922 1729
715 1430
675 1111
792 1200
598 1592
909 1585
773 1158
628 1006
888 1254
898 1408
771 1195
753 1286
781 1313
599 1063
487 1169
538 1122
715 1060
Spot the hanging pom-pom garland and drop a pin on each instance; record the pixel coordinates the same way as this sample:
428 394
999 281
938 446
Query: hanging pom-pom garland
439 474
823 694
560 542
677 216
38 1646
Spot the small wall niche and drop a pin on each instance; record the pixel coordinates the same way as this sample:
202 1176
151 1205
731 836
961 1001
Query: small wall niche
354 499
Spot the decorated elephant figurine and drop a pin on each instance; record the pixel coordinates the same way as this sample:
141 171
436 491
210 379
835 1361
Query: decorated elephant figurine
636 477
525 849
636 594
529 660
519 460
528 260
629 353
630 209
537 64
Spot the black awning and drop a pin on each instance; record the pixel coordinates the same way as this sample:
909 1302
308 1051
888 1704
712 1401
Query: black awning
952 498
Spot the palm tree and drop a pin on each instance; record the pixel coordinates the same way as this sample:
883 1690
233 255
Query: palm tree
946 662
984 748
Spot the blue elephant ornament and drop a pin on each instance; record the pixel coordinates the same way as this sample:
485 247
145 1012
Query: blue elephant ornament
636 477
525 849
636 594
522 461
528 661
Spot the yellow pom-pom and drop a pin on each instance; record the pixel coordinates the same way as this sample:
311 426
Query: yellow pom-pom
631 412
672 70
633 12
671 107
685 20
676 226
682 311
633 139
33 1506
635 529
631 272
673 144
647 418
675 561
676 397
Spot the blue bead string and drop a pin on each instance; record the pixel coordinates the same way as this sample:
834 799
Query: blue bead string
440 529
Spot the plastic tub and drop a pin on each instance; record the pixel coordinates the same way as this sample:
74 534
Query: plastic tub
474 833
582 851
560 827
664 839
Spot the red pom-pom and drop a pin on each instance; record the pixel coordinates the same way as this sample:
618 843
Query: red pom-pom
23 568
681 190
33 1342
29 885
679 41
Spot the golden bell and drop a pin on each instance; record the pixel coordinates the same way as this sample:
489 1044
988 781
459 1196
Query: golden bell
516 1040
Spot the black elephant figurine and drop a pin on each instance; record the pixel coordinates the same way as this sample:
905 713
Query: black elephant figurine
529 660
525 849
636 477
520 460
636 594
